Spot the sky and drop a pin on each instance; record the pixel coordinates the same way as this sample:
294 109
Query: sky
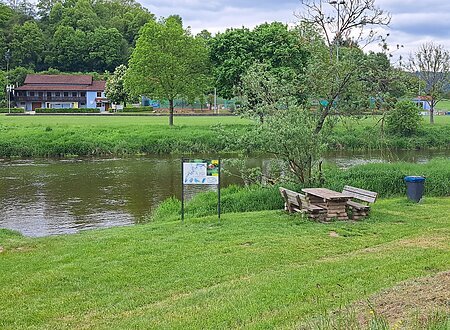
413 22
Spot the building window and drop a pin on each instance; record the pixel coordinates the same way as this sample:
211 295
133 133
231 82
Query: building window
83 94
57 93
74 94
40 94
99 105
31 93
99 94
49 94
66 94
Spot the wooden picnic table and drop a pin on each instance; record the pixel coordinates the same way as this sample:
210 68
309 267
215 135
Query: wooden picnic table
333 201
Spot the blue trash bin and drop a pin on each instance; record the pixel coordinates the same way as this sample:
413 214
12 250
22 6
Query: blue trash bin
415 186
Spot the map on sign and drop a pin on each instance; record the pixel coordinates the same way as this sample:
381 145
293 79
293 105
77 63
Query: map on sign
201 172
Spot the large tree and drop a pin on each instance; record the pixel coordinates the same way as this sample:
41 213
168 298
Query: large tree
343 28
168 62
236 50
431 62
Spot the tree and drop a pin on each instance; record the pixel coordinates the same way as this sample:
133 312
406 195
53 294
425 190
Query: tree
106 50
115 89
167 63
431 62
27 45
236 50
341 72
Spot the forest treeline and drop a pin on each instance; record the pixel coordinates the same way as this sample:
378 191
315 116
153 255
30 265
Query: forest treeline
70 35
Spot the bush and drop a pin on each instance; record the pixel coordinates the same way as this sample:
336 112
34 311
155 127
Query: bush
404 119
137 109
70 110
13 110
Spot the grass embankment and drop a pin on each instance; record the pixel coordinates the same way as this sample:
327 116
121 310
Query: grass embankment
254 270
56 136
29 136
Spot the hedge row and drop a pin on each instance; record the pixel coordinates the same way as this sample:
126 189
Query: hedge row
136 109
13 110
71 110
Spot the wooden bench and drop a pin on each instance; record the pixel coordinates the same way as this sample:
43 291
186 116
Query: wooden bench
296 202
359 210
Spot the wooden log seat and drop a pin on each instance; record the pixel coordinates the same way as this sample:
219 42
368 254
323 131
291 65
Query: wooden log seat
359 205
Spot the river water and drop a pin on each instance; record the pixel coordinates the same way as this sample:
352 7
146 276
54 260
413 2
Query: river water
42 197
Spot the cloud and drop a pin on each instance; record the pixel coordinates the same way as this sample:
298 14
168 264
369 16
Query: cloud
413 22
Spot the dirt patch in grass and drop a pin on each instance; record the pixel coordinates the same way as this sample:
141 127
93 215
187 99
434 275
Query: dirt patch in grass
419 298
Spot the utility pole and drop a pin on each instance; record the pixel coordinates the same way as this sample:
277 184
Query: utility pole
7 58
338 32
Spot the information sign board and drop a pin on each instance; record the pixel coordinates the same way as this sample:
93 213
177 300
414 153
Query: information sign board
201 172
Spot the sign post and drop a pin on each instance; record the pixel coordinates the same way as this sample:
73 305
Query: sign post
200 172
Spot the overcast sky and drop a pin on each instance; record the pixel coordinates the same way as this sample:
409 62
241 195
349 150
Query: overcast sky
413 22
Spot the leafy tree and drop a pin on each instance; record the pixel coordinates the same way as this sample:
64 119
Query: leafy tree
431 62
265 92
337 78
167 63
68 49
106 49
27 45
81 16
127 16
404 119
115 89
236 50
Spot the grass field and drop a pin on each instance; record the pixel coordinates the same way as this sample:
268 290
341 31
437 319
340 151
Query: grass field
253 270
61 136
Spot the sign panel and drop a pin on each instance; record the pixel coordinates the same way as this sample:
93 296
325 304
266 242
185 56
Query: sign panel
201 172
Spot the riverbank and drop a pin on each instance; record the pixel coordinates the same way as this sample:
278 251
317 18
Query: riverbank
258 269
63 136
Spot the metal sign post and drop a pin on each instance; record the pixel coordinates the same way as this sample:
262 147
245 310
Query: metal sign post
200 172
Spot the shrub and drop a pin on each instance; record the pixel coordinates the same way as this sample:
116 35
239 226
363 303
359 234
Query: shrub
137 109
70 110
13 110
404 119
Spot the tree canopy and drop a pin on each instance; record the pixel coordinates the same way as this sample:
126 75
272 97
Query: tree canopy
168 62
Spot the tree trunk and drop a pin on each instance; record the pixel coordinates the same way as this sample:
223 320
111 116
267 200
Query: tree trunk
432 112
171 112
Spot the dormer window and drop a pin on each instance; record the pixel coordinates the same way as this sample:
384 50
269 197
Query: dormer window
99 94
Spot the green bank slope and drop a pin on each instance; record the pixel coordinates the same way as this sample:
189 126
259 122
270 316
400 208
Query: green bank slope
253 270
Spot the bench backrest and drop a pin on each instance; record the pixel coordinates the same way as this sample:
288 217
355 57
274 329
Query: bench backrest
289 196
361 194
293 197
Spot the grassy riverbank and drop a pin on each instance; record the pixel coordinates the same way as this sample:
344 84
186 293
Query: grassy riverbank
59 136
261 269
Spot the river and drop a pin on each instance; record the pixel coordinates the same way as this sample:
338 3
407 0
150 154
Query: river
42 197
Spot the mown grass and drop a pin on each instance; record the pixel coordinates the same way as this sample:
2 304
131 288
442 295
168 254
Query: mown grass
254 270
59 136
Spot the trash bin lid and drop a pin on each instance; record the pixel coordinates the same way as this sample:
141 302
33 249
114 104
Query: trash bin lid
414 179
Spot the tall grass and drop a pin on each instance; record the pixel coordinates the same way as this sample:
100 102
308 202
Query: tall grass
385 179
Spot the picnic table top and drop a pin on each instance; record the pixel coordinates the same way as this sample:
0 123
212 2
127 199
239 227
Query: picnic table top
326 193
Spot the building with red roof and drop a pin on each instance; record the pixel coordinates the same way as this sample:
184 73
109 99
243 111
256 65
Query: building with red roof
61 91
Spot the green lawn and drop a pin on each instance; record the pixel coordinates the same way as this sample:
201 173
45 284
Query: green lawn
254 270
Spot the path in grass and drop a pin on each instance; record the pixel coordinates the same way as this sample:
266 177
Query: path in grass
261 269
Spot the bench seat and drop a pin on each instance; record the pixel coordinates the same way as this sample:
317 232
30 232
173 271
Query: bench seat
358 206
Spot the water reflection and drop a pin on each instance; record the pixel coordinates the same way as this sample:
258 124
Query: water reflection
48 197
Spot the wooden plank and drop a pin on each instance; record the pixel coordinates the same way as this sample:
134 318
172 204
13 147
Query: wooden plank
358 206
361 194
